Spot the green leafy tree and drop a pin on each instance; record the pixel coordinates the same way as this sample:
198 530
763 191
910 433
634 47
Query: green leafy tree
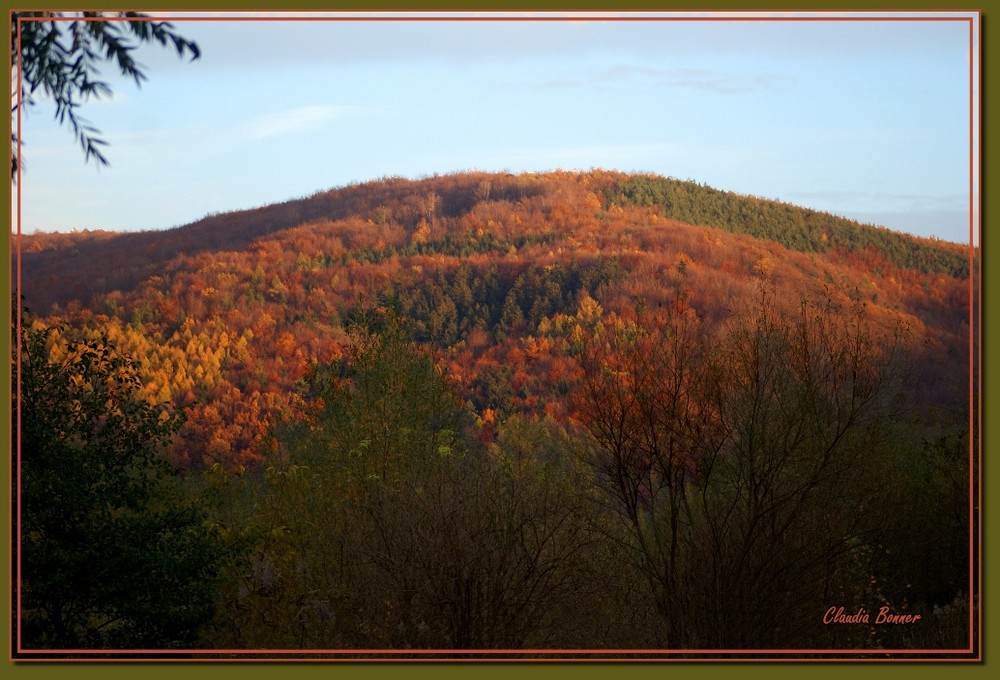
111 555
60 55
381 524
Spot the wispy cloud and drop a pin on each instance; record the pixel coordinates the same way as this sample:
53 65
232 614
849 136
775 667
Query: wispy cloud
863 200
944 215
950 225
704 80
43 99
692 78
636 156
194 142
292 121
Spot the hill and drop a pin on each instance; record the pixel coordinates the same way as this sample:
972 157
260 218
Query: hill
62 267
241 306
492 411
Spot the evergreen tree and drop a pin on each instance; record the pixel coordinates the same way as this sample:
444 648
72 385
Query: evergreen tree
110 555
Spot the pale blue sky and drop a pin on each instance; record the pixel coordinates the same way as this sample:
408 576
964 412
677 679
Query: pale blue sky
869 119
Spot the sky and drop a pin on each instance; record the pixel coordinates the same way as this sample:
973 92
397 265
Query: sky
867 119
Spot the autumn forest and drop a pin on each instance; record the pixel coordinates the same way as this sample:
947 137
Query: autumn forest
502 414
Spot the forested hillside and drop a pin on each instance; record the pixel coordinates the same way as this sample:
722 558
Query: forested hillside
562 410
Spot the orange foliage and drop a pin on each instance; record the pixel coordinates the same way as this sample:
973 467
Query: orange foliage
230 313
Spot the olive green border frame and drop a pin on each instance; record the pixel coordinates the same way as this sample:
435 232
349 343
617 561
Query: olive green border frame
489 671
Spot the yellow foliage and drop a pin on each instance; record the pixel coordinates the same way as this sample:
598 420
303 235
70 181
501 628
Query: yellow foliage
422 233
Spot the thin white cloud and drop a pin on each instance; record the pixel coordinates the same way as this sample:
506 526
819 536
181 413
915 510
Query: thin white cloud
949 225
650 156
864 199
42 99
292 121
703 80
198 142
943 215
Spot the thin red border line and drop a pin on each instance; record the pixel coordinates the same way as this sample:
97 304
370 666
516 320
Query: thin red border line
971 341
20 109
971 369
973 590
973 326
521 659
13 252
569 16
170 653
489 660
633 660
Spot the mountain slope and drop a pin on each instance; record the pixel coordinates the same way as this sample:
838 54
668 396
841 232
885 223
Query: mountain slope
231 312
561 411
60 268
